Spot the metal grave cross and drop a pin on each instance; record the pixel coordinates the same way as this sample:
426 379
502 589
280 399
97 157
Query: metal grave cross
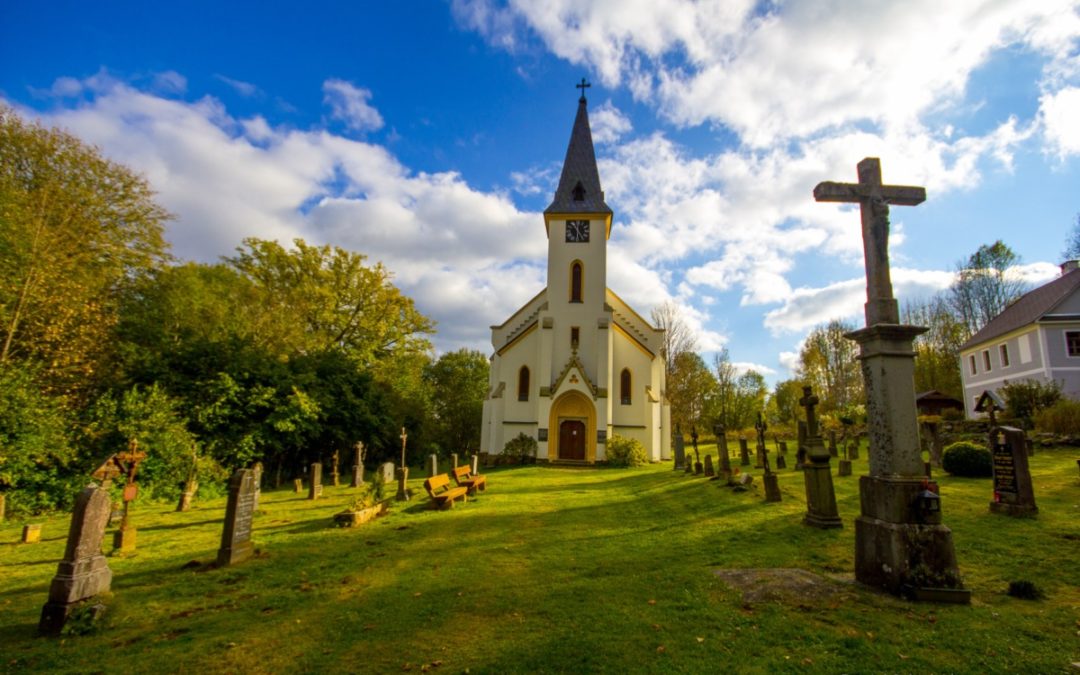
873 199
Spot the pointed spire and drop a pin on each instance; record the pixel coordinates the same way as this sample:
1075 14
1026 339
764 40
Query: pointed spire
579 186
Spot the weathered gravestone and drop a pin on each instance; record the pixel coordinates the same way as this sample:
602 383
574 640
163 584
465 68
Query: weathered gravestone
298 485
820 497
474 468
453 460
128 461
256 475
680 451
3 506
709 472
84 572
781 461
833 450
386 470
744 452
31 533
189 486
335 477
403 473
900 542
432 466
722 448
315 488
1013 493
772 482
358 465
236 543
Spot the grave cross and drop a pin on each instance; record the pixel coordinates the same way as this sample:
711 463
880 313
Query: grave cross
761 426
874 199
808 401
583 86
404 436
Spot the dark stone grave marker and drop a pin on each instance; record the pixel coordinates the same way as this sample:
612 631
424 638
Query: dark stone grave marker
236 535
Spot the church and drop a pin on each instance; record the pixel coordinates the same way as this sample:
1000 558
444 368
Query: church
576 364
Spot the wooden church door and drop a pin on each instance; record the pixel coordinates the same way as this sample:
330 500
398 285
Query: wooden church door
572 440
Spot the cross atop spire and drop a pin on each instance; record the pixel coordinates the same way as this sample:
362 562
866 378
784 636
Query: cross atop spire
583 86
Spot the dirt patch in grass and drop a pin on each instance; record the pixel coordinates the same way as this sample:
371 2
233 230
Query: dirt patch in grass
787 585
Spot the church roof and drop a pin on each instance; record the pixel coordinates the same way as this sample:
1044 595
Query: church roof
579 186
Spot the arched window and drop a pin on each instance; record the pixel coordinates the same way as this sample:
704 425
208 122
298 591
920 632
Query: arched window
624 386
523 384
577 272
579 192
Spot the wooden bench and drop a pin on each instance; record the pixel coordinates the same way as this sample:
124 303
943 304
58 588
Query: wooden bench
442 494
464 478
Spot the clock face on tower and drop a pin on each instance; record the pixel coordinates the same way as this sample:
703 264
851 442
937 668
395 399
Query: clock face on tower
577 231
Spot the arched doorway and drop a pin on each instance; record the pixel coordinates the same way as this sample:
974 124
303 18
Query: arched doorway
573 421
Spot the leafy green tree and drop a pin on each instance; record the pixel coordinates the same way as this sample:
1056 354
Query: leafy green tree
458 382
828 362
691 390
77 229
937 351
984 287
784 401
750 392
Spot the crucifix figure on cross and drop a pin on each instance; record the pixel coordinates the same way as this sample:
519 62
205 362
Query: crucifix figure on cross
583 86
874 199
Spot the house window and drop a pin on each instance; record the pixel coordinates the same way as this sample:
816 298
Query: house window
1025 348
576 274
575 337
971 365
986 360
624 386
1003 350
1072 342
523 384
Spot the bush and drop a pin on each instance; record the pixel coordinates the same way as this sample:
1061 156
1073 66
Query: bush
1024 400
622 451
1061 418
968 460
521 448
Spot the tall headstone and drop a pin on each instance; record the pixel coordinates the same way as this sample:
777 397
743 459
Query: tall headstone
820 497
256 476
453 460
236 543
3 506
833 450
432 466
1013 493
315 488
474 465
680 452
709 471
722 449
84 571
899 542
744 452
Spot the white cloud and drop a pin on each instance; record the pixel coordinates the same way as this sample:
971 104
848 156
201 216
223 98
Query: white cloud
349 104
245 89
1060 113
608 124
744 366
169 82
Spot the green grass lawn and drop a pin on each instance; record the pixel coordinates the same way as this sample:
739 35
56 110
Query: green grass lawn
559 570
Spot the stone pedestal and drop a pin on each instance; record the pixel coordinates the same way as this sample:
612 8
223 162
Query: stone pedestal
84 571
900 542
772 486
403 489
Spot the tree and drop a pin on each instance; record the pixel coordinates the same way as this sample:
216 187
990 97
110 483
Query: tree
77 229
691 387
828 362
1072 242
726 378
785 401
937 351
984 287
458 382
749 400
678 336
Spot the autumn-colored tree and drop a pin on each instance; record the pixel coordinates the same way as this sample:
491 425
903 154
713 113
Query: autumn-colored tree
937 351
77 229
691 387
828 362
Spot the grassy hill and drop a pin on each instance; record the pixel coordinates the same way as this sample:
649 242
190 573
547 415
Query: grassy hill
561 570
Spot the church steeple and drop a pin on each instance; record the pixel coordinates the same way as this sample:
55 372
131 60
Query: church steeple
579 186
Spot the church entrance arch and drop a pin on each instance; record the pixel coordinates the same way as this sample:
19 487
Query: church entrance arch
573 416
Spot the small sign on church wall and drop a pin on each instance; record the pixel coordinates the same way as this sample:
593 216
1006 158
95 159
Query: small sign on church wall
601 435
541 435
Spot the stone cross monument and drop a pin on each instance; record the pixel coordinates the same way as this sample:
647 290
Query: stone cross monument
820 497
403 472
900 542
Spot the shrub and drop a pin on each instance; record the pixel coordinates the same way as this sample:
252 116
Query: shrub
1061 418
968 460
622 451
521 448
1024 400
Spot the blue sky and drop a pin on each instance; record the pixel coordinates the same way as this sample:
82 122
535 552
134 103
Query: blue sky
429 135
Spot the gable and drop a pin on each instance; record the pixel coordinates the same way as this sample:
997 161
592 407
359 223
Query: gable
1029 308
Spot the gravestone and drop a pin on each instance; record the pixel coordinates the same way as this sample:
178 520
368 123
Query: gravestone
128 461
709 472
899 542
453 460
772 487
84 571
853 449
432 466
722 448
357 476
781 461
833 450
315 488
474 468
256 475
782 446
236 543
680 452
335 478
744 452
817 477
844 468
1013 493
298 485
698 467
31 533
403 484
761 427
386 469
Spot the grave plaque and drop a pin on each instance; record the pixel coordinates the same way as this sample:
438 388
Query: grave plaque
1013 493
84 571
315 489
236 535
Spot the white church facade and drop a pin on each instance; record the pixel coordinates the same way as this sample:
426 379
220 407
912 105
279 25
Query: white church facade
576 364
